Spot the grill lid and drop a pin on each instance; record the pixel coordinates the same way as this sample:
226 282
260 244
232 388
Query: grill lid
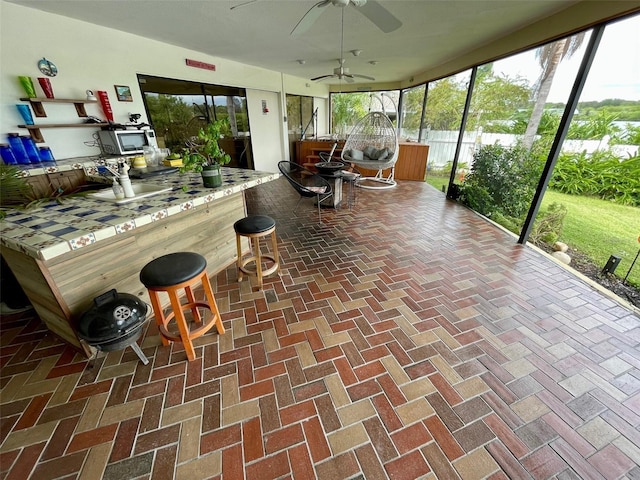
112 315
329 167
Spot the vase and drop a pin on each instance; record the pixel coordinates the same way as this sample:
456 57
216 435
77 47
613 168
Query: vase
211 176
27 84
45 84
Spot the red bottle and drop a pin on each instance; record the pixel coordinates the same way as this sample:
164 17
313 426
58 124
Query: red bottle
106 106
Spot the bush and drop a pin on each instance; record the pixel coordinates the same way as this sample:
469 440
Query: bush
502 179
548 225
600 174
510 223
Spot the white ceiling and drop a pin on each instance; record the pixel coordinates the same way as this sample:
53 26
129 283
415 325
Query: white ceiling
433 31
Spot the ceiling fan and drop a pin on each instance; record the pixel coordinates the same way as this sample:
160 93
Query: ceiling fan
342 72
371 9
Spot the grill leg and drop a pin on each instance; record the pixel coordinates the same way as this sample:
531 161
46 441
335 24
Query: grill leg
139 352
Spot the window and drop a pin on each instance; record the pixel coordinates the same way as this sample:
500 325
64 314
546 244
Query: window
177 109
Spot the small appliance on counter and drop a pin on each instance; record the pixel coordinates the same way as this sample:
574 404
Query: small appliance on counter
126 142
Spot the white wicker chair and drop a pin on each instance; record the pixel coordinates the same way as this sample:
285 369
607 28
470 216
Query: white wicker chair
373 144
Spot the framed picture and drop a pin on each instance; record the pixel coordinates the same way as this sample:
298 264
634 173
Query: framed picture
123 93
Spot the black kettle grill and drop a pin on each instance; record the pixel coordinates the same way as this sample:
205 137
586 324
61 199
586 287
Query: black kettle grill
114 322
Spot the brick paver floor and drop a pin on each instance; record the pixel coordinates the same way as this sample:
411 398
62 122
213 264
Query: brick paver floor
405 338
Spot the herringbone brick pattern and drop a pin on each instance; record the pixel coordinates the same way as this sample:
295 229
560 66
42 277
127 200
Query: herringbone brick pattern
405 338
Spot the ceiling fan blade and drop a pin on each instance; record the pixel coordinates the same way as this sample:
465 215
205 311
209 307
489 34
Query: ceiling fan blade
362 76
349 78
243 4
310 18
380 16
322 77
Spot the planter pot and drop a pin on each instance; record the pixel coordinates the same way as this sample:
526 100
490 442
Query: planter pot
211 176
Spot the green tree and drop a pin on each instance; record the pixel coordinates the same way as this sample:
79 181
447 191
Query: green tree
346 109
445 101
496 98
412 102
172 118
549 56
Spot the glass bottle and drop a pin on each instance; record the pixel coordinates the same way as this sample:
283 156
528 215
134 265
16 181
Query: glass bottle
8 158
30 147
18 149
46 155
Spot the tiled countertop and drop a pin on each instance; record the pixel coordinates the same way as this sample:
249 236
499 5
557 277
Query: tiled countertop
53 228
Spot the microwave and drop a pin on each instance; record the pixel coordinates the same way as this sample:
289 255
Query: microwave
126 142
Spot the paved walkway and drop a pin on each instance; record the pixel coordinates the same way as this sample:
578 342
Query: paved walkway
405 338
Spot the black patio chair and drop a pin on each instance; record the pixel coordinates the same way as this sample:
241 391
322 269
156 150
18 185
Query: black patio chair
307 183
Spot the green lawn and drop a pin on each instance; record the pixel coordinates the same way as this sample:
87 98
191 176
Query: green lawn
438 182
598 228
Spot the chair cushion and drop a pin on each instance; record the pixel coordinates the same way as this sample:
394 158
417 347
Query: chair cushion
254 224
356 155
316 189
382 154
172 269
370 151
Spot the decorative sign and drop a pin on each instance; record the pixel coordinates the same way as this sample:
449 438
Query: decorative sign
47 67
203 65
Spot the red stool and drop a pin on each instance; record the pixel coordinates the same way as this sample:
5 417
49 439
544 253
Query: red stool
171 274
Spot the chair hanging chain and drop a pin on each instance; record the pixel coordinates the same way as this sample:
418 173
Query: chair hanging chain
341 49
342 40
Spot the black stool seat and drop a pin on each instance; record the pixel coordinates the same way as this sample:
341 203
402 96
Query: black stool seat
172 269
254 224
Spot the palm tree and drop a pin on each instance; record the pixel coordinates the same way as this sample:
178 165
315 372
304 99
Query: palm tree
549 56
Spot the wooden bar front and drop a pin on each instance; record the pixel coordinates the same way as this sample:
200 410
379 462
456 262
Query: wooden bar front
62 288
411 164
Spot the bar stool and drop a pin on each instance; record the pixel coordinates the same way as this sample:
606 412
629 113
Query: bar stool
255 227
172 273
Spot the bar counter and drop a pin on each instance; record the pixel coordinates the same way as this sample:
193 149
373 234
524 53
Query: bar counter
66 253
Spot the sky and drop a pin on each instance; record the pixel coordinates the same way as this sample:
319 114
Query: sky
615 72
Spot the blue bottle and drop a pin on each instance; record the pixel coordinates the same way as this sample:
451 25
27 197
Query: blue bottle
46 155
18 149
31 149
8 158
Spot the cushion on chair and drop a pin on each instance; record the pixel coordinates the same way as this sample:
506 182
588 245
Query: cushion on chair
316 189
383 154
369 151
357 155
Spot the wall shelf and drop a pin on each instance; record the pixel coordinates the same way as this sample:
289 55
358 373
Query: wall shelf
38 108
39 111
34 130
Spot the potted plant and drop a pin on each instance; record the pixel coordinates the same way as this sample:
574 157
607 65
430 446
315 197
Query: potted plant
203 155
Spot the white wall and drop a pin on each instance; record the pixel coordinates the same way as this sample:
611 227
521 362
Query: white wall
97 58
266 130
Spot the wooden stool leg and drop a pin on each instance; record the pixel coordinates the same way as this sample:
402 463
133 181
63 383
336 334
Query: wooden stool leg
192 299
274 244
258 262
158 313
211 300
239 246
182 324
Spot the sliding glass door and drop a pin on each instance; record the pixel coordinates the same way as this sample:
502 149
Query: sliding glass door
177 109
